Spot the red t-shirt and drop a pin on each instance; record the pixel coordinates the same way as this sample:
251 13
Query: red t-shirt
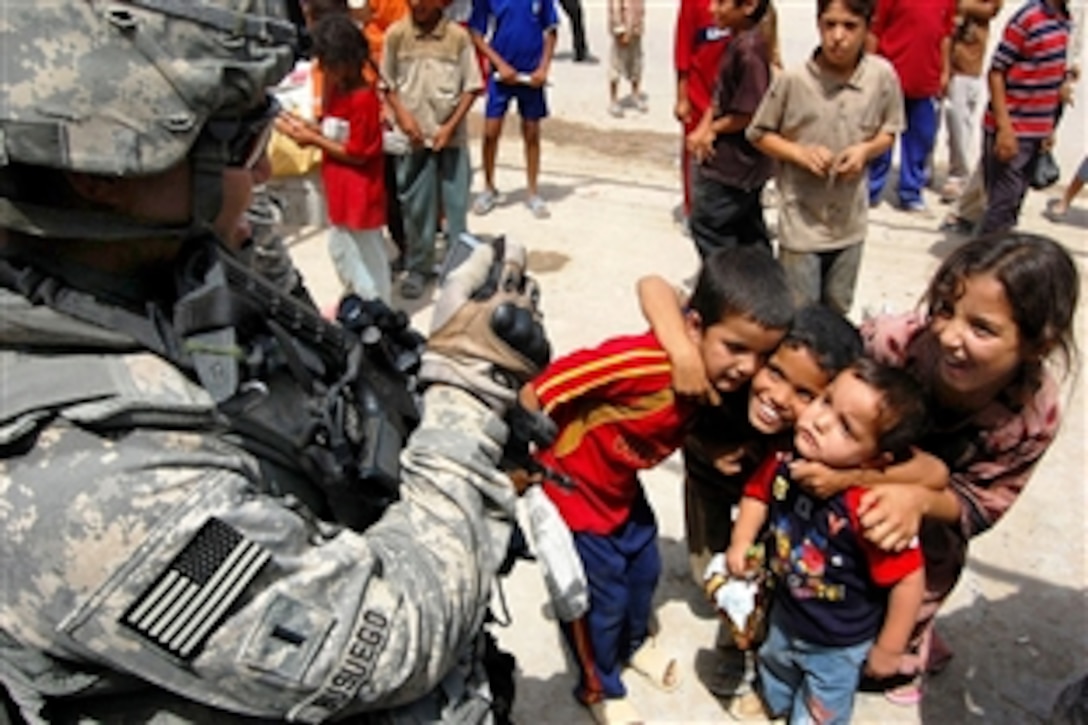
909 34
617 414
355 193
697 52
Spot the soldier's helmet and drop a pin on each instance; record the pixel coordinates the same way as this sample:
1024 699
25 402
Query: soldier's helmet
126 87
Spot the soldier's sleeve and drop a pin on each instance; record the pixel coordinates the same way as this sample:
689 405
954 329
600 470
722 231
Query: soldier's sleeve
152 550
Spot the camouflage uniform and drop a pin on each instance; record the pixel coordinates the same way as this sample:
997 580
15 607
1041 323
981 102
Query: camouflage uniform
157 568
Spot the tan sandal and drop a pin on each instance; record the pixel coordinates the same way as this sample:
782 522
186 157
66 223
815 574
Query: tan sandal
614 711
653 663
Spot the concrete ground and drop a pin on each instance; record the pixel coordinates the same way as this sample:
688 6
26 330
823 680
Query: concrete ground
1018 620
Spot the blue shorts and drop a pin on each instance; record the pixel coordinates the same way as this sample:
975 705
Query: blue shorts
532 106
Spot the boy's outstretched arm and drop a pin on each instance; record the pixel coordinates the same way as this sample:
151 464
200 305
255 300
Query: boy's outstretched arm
662 309
921 468
904 600
750 517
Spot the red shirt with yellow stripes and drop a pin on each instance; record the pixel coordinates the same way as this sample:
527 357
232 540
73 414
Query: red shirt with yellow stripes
617 414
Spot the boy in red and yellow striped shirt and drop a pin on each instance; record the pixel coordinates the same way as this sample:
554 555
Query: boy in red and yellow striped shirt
617 414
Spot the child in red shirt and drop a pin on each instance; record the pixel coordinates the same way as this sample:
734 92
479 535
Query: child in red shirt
352 168
617 414
916 37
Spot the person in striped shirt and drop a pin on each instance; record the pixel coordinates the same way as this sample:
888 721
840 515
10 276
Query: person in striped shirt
616 414
1025 78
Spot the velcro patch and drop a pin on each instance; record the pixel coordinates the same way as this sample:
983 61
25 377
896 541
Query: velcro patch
183 606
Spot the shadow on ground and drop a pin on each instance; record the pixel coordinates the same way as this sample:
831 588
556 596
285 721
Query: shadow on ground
1013 655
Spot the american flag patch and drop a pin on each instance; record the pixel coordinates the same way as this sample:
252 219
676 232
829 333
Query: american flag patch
184 605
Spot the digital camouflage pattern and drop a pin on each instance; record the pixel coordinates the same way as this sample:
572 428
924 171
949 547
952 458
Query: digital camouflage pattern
122 89
120 463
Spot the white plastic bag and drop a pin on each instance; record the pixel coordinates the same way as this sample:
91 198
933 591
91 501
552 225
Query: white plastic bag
559 562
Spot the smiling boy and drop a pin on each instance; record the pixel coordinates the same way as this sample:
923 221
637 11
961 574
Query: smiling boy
617 414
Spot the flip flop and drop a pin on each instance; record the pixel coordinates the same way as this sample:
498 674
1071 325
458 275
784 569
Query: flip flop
614 711
661 670
905 695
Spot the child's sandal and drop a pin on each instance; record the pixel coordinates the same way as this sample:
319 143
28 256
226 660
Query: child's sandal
660 670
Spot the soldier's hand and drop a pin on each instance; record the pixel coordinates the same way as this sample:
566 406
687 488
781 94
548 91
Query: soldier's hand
486 331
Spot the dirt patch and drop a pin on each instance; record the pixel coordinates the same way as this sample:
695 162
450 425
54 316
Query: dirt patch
540 262
648 146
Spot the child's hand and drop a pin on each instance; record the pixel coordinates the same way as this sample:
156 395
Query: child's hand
850 162
817 159
728 463
882 663
817 478
295 129
682 110
736 559
442 137
506 72
689 379
411 129
891 515
1005 146
700 142
538 78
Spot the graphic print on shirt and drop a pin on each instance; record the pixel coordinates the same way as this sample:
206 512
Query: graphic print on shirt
801 557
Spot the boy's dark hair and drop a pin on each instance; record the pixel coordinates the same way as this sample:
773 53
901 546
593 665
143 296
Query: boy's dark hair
830 338
318 10
904 415
746 282
761 10
862 8
338 41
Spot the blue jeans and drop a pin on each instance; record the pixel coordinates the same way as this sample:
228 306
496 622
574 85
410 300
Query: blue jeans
796 676
915 144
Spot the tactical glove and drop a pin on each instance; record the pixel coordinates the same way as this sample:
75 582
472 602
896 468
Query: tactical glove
486 333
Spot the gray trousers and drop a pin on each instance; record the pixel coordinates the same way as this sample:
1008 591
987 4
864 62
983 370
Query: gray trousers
425 178
827 277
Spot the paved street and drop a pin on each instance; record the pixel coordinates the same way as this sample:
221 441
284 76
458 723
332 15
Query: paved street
1018 619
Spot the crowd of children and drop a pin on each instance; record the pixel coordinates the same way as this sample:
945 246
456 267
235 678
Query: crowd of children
864 461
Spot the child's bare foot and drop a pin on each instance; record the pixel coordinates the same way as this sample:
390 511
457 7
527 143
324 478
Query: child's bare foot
1056 209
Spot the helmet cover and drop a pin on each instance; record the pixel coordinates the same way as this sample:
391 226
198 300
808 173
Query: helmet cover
125 87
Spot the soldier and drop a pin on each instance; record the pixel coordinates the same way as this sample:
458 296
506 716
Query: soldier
189 460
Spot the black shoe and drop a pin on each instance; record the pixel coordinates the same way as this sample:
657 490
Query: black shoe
586 57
